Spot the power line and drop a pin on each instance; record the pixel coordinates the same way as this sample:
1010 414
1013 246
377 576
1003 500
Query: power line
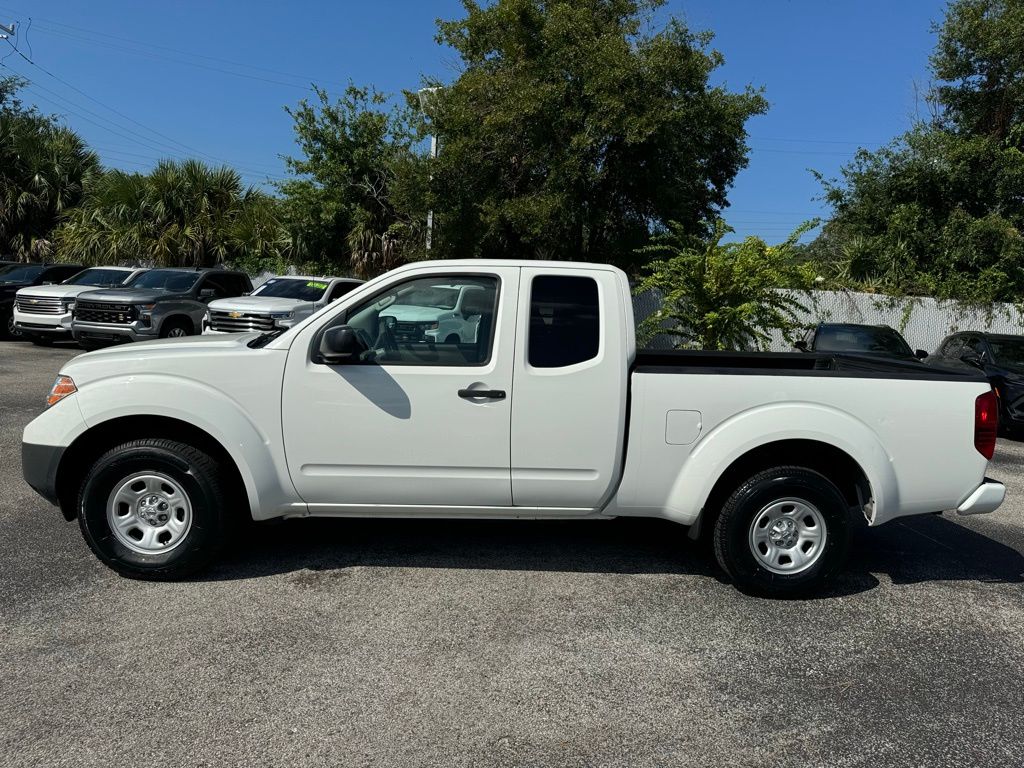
245 65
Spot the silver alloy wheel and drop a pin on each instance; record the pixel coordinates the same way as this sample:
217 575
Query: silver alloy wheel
12 328
176 333
149 513
788 536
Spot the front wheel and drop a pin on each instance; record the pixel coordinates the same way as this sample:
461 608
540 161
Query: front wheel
9 327
154 509
783 533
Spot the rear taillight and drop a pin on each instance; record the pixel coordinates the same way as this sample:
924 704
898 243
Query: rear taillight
986 423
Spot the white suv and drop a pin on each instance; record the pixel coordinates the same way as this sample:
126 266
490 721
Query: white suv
279 303
43 312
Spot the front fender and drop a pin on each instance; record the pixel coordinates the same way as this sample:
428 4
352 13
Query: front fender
256 450
718 449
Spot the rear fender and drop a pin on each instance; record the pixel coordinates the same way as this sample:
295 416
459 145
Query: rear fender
760 426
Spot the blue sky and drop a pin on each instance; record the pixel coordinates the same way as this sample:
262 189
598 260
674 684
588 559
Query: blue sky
147 80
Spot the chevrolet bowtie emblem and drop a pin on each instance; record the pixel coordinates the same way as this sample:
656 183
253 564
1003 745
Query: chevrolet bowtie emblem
234 314
33 301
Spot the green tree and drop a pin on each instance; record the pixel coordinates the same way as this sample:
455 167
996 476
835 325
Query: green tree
358 197
572 132
719 295
941 210
180 214
44 169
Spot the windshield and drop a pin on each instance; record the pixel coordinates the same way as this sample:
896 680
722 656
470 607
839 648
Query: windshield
861 338
437 296
284 288
20 273
1009 351
167 280
99 277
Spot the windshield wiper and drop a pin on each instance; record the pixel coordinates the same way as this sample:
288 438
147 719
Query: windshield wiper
265 338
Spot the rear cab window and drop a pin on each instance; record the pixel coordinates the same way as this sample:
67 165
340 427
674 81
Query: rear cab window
565 321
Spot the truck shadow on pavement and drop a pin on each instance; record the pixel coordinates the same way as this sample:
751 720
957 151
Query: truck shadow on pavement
923 549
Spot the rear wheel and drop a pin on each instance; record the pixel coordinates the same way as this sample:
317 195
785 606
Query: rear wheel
783 533
154 509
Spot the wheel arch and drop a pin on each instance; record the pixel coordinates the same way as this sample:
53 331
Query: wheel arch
87 447
179 318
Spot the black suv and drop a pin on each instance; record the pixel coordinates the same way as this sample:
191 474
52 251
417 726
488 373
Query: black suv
1001 357
162 303
14 277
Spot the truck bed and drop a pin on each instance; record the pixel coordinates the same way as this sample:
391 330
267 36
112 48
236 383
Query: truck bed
794 364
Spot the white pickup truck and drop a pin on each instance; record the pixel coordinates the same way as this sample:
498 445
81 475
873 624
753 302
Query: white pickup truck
163 450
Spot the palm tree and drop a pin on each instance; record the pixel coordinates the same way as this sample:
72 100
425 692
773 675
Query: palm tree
183 213
44 169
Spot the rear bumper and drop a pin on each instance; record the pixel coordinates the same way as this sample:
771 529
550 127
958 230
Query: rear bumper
986 498
39 466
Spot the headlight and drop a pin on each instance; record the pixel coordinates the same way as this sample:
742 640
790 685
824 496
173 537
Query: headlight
69 306
281 315
62 387
145 309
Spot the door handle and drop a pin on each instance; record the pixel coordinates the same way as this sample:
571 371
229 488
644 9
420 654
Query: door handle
484 394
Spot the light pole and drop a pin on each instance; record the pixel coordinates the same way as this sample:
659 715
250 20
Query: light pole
425 94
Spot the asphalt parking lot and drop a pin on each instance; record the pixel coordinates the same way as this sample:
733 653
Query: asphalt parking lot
352 643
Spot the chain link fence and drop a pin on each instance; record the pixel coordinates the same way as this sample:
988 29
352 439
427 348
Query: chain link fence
924 322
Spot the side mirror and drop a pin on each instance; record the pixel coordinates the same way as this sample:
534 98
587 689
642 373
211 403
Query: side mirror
340 345
972 358
920 354
801 345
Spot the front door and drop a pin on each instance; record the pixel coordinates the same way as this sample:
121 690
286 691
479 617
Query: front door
418 424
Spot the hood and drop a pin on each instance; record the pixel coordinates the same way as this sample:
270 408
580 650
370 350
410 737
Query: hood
142 350
8 290
130 295
413 314
55 291
257 304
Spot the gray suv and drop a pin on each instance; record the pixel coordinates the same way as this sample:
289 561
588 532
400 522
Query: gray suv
162 303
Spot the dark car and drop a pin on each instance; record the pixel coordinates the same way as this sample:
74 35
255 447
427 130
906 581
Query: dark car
858 339
162 303
14 277
1001 357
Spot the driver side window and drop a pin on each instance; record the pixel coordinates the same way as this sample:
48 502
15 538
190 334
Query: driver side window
439 320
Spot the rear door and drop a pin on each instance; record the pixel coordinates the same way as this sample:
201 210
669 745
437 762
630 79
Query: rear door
571 388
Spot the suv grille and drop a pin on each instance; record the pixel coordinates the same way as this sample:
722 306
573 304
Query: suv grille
39 305
236 322
94 312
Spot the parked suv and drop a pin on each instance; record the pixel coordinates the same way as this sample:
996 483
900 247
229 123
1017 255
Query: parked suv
162 303
447 313
278 304
14 277
1000 357
858 339
43 313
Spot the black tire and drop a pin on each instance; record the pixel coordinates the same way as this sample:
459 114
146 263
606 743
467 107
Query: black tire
8 330
452 338
200 478
176 323
733 531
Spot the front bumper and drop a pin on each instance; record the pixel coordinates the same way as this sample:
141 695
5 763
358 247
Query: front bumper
108 332
986 498
40 324
39 467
